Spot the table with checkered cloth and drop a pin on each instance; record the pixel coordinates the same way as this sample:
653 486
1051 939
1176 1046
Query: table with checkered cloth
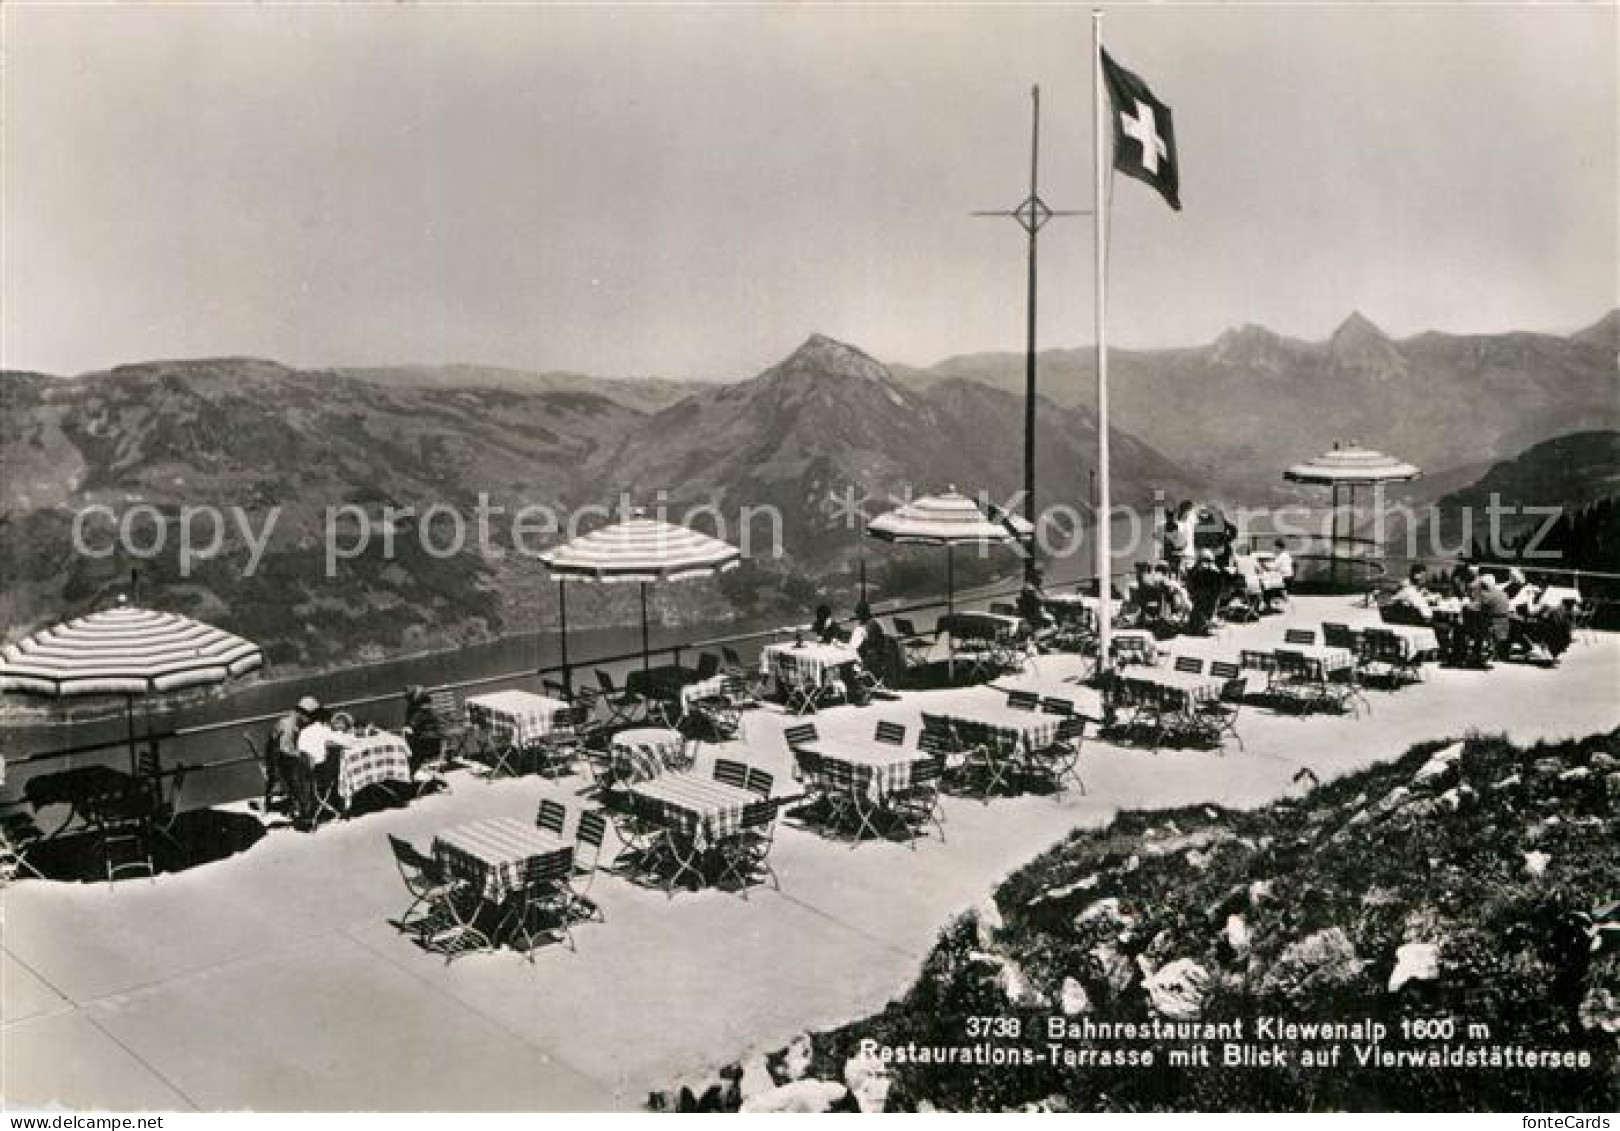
1415 641
700 689
700 810
370 759
1328 660
1198 687
643 753
1134 645
868 767
997 724
493 854
805 665
513 717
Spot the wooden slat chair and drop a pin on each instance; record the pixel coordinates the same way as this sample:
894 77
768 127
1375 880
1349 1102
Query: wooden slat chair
1255 660
917 806
1383 656
1299 636
623 706
917 645
890 732
450 709
1053 705
1023 700
1058 759
588 839
1192 665
1297 680
730 772
556 752
543 907
551 816
746 857
749 688
18 834
1222 713
424 880
758 781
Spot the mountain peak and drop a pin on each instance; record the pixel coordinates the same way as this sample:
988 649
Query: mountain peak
1604 332
1359 326
823 355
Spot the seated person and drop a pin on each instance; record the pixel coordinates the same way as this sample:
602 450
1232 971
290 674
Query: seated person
882 659
1177 603
316 740
1282 562
1410 604
825 628
1143 592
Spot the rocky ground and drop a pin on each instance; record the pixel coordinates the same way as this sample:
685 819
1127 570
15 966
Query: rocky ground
1473 883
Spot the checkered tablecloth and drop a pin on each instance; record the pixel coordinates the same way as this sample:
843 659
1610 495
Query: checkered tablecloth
493 854
997 724
370 759
803 665
702 689
872 769
513 717
1415 641
1134 645
695 808
1327 660
968 627
1198 687
644 753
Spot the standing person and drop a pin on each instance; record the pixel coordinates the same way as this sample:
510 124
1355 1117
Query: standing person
1032 606
284 765
1204 586
424 730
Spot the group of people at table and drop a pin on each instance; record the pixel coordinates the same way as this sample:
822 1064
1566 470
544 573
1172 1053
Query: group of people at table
1479 617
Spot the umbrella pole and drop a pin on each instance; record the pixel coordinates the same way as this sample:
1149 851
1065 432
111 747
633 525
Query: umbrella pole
562 613
129 723
950 604
646 653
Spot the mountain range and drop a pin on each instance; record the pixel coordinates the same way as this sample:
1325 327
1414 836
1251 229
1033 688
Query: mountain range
827 423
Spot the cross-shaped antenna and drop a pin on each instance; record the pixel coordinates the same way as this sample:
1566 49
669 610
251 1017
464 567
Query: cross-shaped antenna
1032 216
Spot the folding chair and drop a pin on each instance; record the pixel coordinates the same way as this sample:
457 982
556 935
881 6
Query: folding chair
890 732
917 805
1222 713
918 647
624 707
545 892
745 857
323 783
1053 705
758 781
1299 636
429 888
1384 654
1340 636
1023 700
1058 759
1191 665
748 689
1296 680
556 752
18 834
589 835
729 772
551 816
274 786
451 711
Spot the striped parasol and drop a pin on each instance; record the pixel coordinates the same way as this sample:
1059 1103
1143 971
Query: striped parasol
125 651
638 549
950 520
641 549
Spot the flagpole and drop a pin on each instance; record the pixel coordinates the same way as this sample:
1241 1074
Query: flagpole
1100 245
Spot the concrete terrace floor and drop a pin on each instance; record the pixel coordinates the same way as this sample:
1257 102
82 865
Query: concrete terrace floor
273 980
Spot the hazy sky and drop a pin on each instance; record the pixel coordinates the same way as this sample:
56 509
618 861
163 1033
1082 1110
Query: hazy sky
689 191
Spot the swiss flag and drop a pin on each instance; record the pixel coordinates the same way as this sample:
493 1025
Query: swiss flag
1144 137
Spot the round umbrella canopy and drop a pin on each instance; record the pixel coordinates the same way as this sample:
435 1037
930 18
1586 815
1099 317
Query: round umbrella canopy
638 549
1352 466
948 520
125 651
1349 467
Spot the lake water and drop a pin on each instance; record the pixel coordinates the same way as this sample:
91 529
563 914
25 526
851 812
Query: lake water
517 656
